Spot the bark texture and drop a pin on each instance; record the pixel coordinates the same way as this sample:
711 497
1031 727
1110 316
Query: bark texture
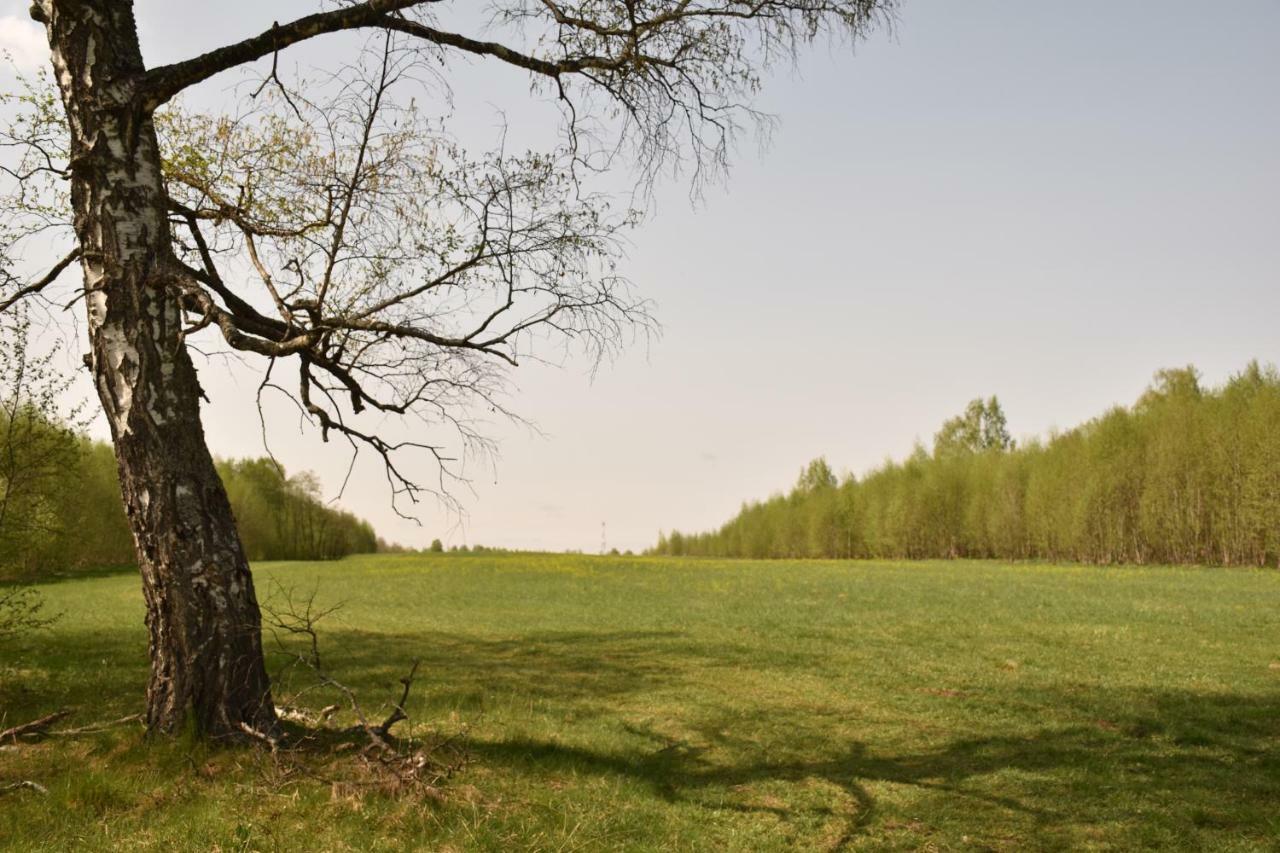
207 668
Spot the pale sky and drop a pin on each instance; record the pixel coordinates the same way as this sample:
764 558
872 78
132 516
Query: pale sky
1043 201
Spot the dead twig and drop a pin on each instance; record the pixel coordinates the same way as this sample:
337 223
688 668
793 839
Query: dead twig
270 740
296 615
301 715
387 762
94 729
397 713
35 728
25 783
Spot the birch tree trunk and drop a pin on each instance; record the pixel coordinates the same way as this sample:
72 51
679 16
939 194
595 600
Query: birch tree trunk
207 669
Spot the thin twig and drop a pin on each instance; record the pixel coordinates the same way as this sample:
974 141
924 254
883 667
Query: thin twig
94 729
36 728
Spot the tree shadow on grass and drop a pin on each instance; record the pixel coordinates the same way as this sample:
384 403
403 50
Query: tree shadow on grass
465 673
1170 755
1167 754
102 674
1186 763
48 577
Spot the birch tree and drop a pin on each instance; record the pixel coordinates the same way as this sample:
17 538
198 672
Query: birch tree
388 271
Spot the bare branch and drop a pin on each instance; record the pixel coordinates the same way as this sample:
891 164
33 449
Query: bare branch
160 84
35 728
44 281
408 276
398 713
24 784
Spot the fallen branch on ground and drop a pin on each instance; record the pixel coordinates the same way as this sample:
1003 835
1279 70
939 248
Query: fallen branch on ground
35 728
397 713
301 715
269 740
386 762
25 783
99 727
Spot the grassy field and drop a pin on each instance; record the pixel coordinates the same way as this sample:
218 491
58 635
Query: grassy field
615 703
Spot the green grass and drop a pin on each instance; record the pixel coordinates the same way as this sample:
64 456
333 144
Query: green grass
612 703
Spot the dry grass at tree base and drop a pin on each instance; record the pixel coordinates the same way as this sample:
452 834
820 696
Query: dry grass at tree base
580 703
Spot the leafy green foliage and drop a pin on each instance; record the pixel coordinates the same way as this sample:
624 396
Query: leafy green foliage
22 609
280 517
60 498
38 444
982 427
1187 475
285 518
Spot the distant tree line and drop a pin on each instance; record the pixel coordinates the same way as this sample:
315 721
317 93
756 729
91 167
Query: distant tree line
75 520
285 518
1186 475
437 547
60 506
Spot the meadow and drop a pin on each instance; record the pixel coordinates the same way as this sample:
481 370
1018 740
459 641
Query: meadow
693 704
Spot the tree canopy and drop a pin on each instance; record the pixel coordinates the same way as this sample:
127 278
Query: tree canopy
979 428
1186 475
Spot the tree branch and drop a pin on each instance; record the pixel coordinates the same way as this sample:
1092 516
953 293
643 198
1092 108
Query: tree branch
35 728
160 84
43 282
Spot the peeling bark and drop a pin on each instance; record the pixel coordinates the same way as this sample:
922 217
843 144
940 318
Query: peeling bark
207 668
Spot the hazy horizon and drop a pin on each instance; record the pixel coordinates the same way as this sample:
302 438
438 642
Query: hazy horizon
1028 202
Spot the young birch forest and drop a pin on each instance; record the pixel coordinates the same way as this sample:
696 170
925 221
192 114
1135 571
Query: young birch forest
74 520
60 505
1188 474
